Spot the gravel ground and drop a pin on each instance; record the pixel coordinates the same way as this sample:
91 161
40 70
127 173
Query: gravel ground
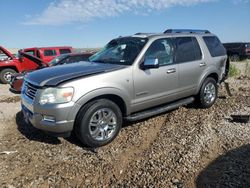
187 147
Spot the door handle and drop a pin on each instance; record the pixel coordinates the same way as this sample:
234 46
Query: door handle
169 71
203 64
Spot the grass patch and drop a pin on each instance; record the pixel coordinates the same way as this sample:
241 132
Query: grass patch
247 68
233 71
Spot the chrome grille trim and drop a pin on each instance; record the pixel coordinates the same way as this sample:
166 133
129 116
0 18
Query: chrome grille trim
30 90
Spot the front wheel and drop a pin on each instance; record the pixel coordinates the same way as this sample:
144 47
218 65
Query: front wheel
208 93
98 123
5 75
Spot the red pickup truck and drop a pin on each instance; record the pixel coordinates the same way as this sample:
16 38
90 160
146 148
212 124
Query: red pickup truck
9 64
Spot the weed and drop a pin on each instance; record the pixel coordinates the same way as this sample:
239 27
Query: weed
233 71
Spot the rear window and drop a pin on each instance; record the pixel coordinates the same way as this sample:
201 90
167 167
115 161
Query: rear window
187 49
49 52
214 46
64 51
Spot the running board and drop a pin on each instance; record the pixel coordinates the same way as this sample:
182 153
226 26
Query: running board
159 110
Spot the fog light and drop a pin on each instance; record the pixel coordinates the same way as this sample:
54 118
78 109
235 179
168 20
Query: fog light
49 118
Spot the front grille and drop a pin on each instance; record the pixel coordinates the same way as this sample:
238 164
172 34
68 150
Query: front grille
30 90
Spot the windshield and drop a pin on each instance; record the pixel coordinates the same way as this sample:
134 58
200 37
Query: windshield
56 60
121 51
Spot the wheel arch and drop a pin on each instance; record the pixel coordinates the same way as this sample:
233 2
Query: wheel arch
115 96
9 67
212 74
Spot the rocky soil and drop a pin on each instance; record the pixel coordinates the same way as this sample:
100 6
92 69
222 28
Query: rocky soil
187 147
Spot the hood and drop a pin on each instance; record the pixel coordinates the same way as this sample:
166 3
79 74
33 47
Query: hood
58 74
9 54
36 60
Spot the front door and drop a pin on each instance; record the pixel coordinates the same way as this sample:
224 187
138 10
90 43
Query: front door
156 85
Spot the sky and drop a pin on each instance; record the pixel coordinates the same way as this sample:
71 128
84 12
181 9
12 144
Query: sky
93 23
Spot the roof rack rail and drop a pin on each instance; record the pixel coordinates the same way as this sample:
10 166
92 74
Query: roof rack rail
186 31
144 33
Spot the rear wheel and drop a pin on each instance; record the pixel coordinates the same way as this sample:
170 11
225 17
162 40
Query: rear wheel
5 75
98 123
208 93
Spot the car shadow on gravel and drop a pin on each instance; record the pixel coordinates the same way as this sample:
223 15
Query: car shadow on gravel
229 170
32 133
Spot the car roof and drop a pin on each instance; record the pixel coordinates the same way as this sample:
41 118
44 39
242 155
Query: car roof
51 47
173 33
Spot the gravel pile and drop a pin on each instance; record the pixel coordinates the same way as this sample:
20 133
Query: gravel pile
187 147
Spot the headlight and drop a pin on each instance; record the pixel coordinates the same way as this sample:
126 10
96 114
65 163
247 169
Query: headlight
56 95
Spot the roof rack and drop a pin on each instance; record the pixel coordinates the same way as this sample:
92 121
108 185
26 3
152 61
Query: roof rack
186 31
144 33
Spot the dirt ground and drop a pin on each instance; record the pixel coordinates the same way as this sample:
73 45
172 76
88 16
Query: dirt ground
187 147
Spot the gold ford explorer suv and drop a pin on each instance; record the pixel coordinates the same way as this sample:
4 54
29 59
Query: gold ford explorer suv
131 78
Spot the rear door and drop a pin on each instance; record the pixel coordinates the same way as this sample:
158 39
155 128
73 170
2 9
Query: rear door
191 64
157 85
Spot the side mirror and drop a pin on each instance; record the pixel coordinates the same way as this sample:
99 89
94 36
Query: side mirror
150 64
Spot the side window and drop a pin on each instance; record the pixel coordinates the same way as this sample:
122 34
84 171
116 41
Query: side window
214 46
187 49
161 49
49 52
30 52
64 51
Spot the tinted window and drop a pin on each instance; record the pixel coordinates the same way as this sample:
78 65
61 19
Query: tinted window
187 49
64 51
49 52
162 50
214 46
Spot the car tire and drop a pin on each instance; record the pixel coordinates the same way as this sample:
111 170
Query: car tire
98 123
5 75
208 93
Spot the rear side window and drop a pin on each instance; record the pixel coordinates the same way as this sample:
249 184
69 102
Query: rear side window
49 52
64 51
214 46
187 49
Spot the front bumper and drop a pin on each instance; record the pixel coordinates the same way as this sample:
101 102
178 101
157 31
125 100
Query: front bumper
59 126
12 90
